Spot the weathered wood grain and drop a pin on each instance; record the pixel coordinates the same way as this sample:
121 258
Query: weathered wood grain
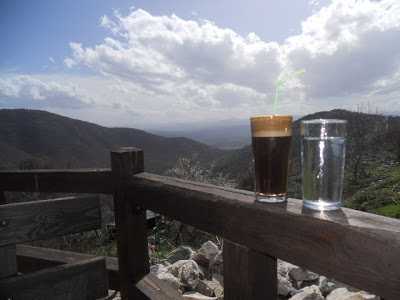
37 220
357 248
34 258
8 257
8 261
2 198
248 274
130 223
63 181
154 289
83 280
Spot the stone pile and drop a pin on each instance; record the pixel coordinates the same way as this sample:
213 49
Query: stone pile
195 275
199 276
296 283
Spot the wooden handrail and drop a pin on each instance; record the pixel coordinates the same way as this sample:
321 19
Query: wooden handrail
97 181
358 248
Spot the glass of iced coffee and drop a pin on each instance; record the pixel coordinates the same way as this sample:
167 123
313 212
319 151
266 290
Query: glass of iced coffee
271 140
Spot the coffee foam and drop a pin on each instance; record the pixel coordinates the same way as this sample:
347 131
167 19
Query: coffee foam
271 126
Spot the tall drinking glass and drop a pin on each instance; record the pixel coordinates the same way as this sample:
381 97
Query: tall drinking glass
323 147
271 139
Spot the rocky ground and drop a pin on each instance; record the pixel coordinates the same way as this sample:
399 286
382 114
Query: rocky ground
198 275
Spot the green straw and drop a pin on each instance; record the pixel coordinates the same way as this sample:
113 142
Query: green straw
282 81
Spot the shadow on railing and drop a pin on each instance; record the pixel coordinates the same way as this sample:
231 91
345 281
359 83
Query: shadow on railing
357 248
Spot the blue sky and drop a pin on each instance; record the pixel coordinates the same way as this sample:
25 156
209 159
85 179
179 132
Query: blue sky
152 63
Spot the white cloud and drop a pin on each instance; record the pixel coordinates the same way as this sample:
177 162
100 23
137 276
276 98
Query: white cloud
40 88
151 48
52 59
165 69
348 47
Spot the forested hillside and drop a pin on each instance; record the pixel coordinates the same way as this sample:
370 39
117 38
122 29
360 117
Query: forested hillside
39 139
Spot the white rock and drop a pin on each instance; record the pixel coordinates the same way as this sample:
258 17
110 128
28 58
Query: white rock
344 294
174 268
189 274
308 293
323 284
197 296
181 253
170 280
218 281
368 296
285 287
334 284
205 287
284 268
157 269
157 261
300 274
209 249
217 263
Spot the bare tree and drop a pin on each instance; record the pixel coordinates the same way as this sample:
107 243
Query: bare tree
361 134
190 168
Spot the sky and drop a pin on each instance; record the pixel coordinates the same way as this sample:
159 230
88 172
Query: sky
150 64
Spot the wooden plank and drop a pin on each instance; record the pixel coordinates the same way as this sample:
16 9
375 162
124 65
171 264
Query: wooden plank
8 257
37 220
248 274
331 243
35 258
81 280
8 261
2 198
130 224
97 181
154 289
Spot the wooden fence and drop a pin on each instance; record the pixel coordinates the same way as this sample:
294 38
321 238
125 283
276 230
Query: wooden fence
360 249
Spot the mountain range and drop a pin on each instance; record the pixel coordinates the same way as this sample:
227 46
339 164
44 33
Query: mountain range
61 142
32 139
226 134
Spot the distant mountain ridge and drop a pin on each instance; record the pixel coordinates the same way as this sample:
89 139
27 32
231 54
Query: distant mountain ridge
65 142
224 135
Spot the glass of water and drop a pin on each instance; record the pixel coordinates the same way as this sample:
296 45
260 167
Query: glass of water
323 148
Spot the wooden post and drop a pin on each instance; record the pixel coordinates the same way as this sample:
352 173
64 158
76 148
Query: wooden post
130 223
2 198
8 255
248 274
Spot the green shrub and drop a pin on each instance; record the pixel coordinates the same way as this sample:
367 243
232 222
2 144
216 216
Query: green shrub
162 254
392 210
387 193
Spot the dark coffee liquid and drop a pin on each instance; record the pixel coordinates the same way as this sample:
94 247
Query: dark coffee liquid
271 164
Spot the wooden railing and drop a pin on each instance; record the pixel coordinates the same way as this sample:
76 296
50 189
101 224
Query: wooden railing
357 248
36 220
